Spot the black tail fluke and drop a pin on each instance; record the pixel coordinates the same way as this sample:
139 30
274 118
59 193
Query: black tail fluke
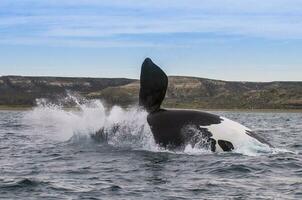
153 86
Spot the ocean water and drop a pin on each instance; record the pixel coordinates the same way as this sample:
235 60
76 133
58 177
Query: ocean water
48 153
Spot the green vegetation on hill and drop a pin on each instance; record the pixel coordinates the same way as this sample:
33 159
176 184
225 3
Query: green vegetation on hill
183 92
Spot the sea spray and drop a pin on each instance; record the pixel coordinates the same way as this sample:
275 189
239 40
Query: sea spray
128 128
62 123
88 117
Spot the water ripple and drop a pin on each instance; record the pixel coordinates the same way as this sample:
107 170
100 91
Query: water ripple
36 163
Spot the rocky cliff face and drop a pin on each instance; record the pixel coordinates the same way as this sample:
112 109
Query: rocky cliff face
185 92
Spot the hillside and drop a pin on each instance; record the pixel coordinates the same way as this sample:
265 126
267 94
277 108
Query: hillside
23 91
183 92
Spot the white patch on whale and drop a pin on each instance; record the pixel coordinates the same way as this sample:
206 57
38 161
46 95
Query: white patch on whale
235 133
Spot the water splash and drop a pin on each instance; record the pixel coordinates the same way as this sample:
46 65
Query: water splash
122 127
62 124
87 118
128 128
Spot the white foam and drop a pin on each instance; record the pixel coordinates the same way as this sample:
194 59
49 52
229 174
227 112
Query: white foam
195 151
88 118
63 124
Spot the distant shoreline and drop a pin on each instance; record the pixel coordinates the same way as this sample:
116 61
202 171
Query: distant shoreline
23 108
5 107
183 92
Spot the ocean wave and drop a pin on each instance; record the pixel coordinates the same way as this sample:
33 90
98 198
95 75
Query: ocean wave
23 183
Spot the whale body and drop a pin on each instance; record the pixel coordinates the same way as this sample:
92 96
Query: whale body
175 129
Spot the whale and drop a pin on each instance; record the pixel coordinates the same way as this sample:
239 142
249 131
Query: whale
174 129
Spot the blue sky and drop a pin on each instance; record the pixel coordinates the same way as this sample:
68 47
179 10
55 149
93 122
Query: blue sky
249 40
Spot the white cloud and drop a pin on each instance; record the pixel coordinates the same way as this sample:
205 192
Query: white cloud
67 19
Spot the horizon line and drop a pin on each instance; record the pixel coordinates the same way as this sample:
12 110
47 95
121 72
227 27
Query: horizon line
137 79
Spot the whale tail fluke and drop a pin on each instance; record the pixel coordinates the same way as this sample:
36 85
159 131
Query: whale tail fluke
153 86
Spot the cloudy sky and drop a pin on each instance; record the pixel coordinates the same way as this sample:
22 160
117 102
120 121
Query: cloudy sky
250 40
